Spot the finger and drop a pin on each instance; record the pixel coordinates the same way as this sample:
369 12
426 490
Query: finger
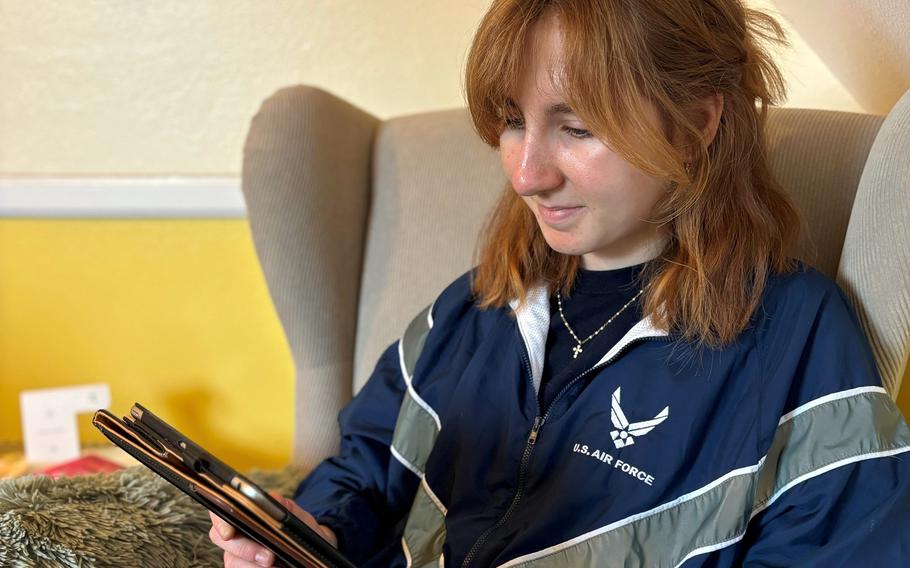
244 549
225 529
310 521
307 518
231 561
298 512
301 514
293 507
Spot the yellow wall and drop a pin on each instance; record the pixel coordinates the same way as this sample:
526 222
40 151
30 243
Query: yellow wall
175 313
903 397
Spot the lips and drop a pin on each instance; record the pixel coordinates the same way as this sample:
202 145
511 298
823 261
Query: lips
557 214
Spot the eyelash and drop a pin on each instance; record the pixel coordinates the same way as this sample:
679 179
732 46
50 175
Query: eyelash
579 133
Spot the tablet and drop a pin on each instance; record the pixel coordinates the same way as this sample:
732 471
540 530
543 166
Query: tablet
219 488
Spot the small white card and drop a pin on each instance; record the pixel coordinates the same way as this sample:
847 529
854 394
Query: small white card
49 424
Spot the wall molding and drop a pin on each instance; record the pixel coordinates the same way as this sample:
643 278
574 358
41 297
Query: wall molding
121 197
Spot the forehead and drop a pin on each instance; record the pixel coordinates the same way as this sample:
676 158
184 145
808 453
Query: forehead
542 62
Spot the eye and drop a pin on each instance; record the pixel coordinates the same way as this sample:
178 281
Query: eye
577 132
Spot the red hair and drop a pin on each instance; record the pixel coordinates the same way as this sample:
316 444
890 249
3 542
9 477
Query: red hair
729 222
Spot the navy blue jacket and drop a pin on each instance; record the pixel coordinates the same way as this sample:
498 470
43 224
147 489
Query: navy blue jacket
780 449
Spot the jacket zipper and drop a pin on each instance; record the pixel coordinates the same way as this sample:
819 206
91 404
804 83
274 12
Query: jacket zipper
532 439
529 446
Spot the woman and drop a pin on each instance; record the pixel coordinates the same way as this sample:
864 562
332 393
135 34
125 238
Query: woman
636 373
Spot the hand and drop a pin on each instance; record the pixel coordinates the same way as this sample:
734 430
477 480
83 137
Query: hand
241 552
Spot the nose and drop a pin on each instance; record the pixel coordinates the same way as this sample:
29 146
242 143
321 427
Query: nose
532 168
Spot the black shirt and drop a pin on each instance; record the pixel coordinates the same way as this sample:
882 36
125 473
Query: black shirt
596 296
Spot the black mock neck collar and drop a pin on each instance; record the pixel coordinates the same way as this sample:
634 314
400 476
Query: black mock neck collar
617 281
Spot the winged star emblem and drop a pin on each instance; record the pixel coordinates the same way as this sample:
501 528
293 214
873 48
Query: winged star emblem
625 432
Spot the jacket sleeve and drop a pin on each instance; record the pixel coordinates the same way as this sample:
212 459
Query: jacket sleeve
361 491
835 484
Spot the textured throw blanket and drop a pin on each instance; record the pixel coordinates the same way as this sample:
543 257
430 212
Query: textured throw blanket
128 518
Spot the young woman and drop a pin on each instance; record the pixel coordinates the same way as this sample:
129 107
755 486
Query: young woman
636 373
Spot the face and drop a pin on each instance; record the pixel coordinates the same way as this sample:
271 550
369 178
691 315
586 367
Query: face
587 200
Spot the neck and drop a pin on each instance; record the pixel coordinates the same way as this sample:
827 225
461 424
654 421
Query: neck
614 260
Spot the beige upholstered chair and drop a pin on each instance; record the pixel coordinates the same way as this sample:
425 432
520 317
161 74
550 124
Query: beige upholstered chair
360 223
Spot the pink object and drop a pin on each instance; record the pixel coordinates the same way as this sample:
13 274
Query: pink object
81 466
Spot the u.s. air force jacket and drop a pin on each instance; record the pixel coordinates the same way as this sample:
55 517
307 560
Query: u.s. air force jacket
781 449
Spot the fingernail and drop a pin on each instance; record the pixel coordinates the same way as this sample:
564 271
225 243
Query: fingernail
263 558
224 531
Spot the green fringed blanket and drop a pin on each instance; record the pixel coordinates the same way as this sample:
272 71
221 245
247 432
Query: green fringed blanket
128 518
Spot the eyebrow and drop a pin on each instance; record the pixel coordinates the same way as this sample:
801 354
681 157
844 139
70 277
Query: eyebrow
559 108
552 110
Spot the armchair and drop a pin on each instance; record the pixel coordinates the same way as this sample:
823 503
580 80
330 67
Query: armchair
359 223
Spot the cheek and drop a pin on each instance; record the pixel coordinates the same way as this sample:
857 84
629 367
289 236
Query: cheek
649 189
507 152
587 158
594 169
618 194
644 193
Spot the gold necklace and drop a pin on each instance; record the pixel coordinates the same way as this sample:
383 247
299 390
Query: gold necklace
576 351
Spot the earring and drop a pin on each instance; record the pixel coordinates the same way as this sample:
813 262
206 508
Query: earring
673 185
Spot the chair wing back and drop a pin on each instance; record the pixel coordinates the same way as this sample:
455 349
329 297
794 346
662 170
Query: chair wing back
875 262
818 157
306 182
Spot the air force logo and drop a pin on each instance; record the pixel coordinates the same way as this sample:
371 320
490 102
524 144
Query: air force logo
624 431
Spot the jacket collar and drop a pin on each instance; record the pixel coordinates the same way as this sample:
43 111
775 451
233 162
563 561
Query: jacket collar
533 319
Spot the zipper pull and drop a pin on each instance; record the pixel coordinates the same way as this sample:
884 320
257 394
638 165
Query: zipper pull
538 422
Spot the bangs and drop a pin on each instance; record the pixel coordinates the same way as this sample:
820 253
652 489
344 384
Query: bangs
496 64
598 74
610 82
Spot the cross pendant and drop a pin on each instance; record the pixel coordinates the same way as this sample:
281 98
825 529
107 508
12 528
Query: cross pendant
575 351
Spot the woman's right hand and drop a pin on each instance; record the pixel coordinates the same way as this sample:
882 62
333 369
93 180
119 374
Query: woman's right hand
241 552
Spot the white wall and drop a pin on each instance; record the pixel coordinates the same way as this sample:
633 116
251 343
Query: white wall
113 87
862 45
168 86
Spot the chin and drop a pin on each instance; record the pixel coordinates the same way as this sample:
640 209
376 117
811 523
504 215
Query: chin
563 245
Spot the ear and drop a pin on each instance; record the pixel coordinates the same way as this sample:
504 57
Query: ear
709 112
706 116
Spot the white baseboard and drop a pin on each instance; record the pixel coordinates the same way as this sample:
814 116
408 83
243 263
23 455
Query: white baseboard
121 197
